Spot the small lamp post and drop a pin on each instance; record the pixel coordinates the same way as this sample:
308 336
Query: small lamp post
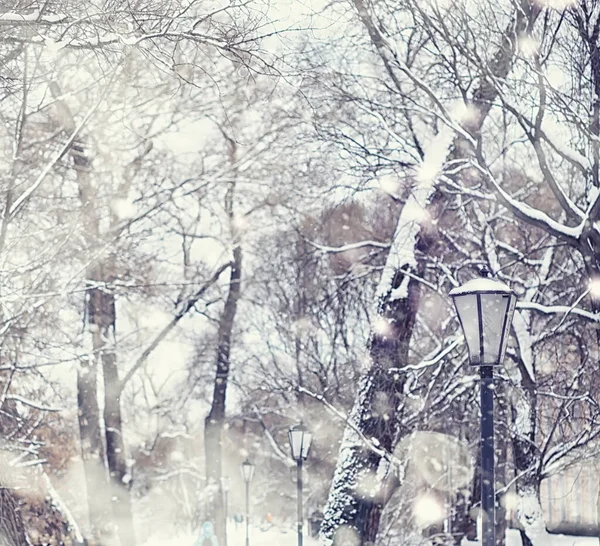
300 441
247 473
225 484
485 309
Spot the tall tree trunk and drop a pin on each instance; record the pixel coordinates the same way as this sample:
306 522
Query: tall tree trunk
92 450
90 423
349 507
213 425
215 420
529 510
356 499
523 406
101 316
102 309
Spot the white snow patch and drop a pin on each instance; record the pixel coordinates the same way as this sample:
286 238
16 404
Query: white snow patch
130 40
388 184
427 510
594 288
54 46
402 251
481 285
528 45
123 208
521 328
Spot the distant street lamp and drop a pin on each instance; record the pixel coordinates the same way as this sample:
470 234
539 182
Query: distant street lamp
247 473
225 483
485 309
300 440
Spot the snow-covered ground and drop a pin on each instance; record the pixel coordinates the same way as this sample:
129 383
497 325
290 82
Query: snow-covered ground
513 539
237 537
275 537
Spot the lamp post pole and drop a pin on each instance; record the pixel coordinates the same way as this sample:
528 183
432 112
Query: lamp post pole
300 511
488 508
247 469
247 513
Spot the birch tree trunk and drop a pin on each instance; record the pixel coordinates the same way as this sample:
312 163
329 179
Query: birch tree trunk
356 496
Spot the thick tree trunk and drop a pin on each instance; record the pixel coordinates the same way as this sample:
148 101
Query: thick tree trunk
529 511
103 314
115 510
90 425
356 498
92 450
101 317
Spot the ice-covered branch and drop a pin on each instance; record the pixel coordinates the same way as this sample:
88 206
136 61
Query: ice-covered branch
281 455
432 359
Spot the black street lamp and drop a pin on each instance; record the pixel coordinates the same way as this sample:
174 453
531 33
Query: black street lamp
225 483
247 473
485 309
300 440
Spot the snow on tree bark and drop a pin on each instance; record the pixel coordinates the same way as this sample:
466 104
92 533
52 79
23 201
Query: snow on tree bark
528 510
356 496
355 500
523 423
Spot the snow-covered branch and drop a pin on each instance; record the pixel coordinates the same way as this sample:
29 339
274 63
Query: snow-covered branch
350 246
559 310
35 16
31 403
531 215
